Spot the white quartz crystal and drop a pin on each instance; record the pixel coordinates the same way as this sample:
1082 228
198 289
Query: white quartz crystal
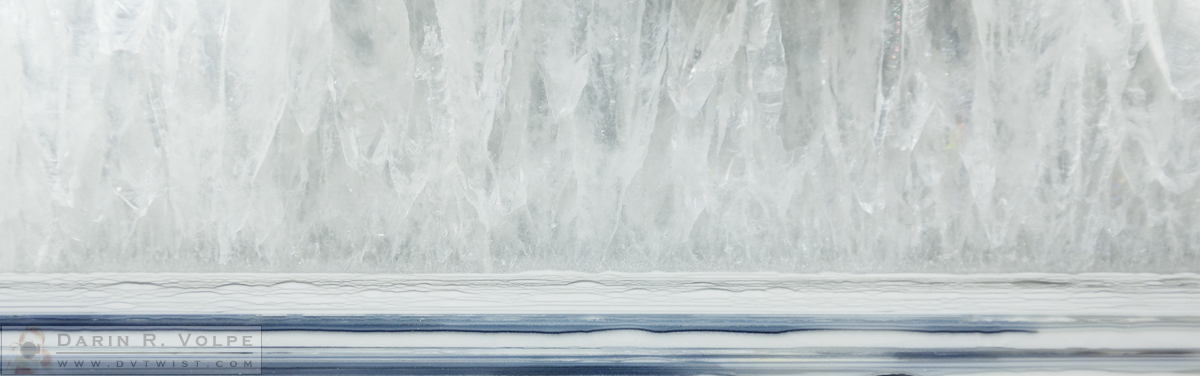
498 136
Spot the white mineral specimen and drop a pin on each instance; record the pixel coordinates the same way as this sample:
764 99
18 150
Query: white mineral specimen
741 135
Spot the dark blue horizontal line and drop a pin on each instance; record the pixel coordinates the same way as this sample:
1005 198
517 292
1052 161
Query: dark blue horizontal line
549 324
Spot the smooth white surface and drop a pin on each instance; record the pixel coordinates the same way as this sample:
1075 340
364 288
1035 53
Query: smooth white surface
501 343
1103 294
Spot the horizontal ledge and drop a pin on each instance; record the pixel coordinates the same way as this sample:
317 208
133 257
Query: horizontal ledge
1039 294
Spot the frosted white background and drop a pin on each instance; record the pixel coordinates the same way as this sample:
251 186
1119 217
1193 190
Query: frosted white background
493 136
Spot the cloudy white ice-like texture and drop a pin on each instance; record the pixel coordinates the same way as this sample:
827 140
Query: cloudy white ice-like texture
494 136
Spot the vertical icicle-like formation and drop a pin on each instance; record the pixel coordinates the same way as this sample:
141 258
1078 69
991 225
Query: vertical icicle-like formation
495 136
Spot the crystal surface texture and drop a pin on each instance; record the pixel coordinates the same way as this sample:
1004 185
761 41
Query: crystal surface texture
505 136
